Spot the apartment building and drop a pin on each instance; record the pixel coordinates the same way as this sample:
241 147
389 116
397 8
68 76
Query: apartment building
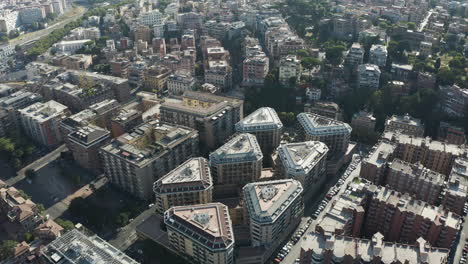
405 124
363 121
125 120
190 183
289 68
254 69
456 189
368 76
421 183
401 72
324 108
236 163
274 210
135 160
304 162
178 83
328 249
32 14
451 134
400 218
219 73
434 155
454 100
212 115
74 62
153 17
355 55
378 55
41 122
265 125
75 247
335 134
81 96
19 100
155 78
373 166
84 143
202 233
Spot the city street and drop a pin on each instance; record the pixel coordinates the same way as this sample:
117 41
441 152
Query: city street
36 165
29 38
296 249
127 234
461 242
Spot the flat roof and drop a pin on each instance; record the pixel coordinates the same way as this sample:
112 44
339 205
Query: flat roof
192 175
301 157
314 124
242 147
264 118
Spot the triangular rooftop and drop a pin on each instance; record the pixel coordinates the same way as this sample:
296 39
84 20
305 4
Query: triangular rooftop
262 118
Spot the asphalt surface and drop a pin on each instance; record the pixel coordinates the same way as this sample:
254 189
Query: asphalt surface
36 165
296 249
127 234
60 207
34 36
461 242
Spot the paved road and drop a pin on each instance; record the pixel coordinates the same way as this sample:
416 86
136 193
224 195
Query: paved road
34 36
36 165
60 207
425 20
461 242
127 235
296 249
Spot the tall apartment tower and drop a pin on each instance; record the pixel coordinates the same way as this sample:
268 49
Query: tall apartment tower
41 121
135 160
335 134
201 232
84 143
373 167
190 183
213 116
236 163
274 208
304 162
265 124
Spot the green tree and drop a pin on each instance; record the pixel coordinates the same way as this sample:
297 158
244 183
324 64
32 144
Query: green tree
6 249
334 54
65 224
28 237
446 76
310 62
411 26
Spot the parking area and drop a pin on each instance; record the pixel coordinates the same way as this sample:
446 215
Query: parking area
54 182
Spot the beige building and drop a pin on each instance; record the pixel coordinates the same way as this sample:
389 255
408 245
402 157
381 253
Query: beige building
335 134
135 160
155 78
275 209
304 162
213 116
265 125
189 183
41 122
203 233
454 196
236 163
405 124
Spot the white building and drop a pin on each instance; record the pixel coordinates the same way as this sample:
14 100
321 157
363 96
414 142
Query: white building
368 76
265 125
179 83
69 47
274 209
9 20
32 14
290 67
6 51
41 122
378 55
313 94
151 18
304 162
355 55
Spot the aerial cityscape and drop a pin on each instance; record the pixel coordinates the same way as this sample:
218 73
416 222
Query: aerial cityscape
233 131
